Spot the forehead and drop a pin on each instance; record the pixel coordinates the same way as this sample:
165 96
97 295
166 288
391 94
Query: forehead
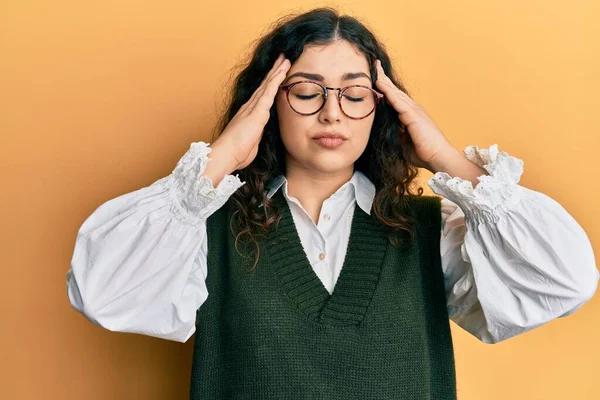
331 60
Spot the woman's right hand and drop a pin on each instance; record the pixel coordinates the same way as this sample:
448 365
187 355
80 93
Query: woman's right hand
243 133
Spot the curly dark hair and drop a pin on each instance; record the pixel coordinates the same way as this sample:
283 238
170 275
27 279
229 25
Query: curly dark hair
384 160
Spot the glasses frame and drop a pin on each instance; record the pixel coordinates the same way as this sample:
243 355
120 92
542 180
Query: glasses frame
326 89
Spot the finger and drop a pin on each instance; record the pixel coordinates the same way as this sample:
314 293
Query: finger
265 101
273 69
383 81
396 97
276 65
260 89
382 76
267 96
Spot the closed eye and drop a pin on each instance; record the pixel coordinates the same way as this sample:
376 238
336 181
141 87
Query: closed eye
301 97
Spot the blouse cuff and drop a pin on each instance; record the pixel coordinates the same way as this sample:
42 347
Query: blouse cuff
193 194
495 193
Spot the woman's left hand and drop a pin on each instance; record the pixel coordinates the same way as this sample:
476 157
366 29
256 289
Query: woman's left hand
429 141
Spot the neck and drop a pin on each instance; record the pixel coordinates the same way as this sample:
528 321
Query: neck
311 188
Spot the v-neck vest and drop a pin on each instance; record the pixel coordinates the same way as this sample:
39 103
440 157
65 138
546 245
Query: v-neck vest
277 333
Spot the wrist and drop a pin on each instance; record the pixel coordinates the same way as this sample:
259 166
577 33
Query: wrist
222 152
444 158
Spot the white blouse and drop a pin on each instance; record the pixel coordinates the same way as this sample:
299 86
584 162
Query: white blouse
513 259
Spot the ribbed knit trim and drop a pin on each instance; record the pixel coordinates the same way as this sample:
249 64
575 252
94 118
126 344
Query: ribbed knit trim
358 279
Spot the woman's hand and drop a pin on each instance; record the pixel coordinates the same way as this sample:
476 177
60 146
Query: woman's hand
428 139
242 134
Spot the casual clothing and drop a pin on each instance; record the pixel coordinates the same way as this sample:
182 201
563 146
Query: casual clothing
510 259
277 333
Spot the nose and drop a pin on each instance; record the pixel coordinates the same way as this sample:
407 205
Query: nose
331 109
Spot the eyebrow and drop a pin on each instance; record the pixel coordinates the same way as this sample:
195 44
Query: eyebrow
320 78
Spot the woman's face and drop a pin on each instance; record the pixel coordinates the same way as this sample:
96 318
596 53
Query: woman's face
297 131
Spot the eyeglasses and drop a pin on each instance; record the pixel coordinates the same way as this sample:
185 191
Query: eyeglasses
309 97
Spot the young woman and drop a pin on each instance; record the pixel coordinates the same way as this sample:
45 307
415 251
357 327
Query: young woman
316 271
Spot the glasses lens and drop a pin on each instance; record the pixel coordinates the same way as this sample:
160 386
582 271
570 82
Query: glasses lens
307 98
358 101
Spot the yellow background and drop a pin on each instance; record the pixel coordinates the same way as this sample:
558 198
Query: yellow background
101 98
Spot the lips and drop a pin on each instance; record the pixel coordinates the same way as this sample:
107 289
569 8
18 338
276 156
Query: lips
330 142
329 135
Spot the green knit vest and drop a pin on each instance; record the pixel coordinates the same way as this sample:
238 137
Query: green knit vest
277 333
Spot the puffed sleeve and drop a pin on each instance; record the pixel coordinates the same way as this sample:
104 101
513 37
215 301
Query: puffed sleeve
139 261
513 258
